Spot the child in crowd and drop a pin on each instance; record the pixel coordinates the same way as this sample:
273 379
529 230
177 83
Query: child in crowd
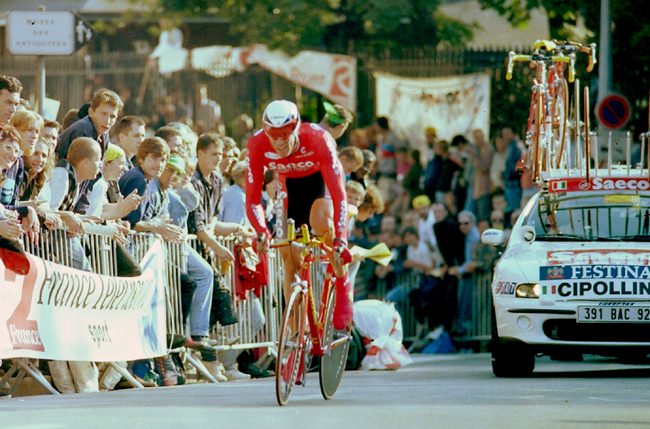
105 200
10 227
351 159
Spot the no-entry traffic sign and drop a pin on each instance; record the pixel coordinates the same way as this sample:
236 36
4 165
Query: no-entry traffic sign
613 111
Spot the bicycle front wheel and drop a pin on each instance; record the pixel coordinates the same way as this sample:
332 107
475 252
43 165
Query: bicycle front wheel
335 351
291 346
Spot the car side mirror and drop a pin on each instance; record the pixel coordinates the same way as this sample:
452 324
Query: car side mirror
492 236
527 233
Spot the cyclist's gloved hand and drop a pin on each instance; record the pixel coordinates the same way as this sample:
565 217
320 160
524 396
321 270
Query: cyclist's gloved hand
341 247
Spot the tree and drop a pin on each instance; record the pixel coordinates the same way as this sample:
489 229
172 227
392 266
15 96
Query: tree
337 26
630 36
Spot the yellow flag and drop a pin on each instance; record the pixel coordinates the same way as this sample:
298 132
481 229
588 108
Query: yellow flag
379 253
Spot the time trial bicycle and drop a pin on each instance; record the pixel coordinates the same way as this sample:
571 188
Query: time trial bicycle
307 331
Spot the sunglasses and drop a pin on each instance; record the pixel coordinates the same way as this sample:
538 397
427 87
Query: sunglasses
465 223
282 132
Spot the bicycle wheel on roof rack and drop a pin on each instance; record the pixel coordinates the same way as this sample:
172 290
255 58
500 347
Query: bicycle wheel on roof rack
538 126
559 120
335 350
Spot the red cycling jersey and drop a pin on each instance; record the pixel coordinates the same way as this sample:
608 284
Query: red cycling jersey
315 152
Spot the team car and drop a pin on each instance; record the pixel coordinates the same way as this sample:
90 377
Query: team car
574 277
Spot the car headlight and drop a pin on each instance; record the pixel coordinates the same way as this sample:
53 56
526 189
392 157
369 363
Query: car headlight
527 290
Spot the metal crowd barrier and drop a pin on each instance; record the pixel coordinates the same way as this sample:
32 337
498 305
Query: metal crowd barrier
241 335
480 328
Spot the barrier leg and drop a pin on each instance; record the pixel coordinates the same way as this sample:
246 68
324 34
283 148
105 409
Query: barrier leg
26 368
126 374
196 363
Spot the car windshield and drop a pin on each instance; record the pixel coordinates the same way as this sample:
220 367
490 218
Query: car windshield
590 217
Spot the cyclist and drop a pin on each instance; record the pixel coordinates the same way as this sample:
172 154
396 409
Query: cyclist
312 187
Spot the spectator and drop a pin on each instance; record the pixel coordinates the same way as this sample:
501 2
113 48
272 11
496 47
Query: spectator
462 152
467 225
172 136
336 120
440 172
70 118
411 182
243 129
29 125
130 135
451 240
426 220
431 138
83 163
230 156
102 114
50 132
511 177
498 164
362 174
387 144
10 227
484 255
38 170
481 186
152 158
351 159
105 200
10 89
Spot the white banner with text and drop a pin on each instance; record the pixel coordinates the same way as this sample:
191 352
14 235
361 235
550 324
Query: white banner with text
57 312
452 105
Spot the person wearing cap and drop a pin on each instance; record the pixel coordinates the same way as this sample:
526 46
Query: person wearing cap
336 120
422 205
105 200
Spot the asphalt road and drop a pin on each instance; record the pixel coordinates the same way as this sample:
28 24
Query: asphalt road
446 391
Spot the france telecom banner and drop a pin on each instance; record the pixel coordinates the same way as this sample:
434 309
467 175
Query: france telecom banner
57 312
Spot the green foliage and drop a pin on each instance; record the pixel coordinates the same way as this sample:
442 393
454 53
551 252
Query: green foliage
336 26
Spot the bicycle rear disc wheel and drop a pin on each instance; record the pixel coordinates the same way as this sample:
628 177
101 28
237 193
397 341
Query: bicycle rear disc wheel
335 354
290 347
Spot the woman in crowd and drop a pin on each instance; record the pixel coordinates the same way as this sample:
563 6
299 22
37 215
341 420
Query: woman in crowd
10 227
29 125
38 170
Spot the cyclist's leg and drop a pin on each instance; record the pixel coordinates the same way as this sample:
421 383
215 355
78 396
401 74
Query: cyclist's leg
321 219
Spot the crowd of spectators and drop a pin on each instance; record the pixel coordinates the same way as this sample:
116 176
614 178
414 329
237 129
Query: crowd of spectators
438 200
103 166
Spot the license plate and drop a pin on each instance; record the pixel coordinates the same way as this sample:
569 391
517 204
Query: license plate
614 314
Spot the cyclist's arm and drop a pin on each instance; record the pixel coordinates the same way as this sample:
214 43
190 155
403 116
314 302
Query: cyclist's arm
255 182
334 179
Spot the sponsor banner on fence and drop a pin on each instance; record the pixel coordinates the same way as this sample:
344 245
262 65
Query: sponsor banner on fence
57 312
453 105
333 76
595 281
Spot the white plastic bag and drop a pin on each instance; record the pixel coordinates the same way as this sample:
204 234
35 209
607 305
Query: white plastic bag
61 376
85 376
110 376
380 323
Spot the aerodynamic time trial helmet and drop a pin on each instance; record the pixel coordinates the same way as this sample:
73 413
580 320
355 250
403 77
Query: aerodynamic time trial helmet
281 119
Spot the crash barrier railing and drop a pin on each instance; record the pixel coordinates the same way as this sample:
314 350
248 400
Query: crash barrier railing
247 333
480 326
